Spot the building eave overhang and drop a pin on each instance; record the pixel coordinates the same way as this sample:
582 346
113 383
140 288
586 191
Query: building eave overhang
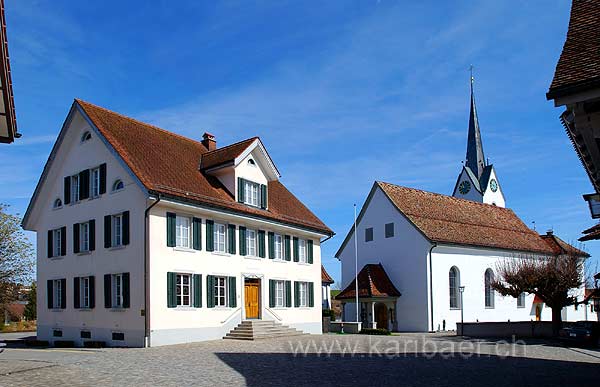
573 88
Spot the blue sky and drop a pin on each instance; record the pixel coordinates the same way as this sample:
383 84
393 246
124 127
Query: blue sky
342 93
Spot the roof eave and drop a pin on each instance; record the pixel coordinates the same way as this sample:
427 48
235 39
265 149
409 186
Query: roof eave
572 88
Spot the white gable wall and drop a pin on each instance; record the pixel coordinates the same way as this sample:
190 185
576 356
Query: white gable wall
72 158
473 194
404 258
490 197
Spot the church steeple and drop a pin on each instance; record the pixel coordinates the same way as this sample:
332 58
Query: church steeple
475 158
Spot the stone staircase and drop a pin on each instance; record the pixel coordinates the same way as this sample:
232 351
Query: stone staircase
261 329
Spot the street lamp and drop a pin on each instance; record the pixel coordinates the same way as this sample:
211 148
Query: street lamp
461 289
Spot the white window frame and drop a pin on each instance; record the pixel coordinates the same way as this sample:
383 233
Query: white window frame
57 206
251 193
57 242
220 238
84 237
220 292
279 293
84 292
278 246
303 294
183 233
117 290
180 290
57 293
251 243
302 256
95 182
117 230
75 188
116 183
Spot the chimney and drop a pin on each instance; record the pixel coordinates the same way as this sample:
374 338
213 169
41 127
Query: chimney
208 140
550 232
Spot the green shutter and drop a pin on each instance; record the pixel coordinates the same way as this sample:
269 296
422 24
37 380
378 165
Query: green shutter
243 247
197 233
309 251
311 294
263 197
271 293
296 294
271 245
210 291
240 190
288 294
296 250
261 244
171 221
171 290
231 238
197 290
210 235
232 292
287 248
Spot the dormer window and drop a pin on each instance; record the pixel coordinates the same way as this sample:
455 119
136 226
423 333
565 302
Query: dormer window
251 194
86 136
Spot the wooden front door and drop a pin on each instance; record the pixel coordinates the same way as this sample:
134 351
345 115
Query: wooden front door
381 315
251 297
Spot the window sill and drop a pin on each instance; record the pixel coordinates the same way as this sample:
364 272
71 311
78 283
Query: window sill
57 208
56 310
184 249
520 307
280 260
253 257
118 310
457 308
120 247
223 254
57 258
185 308
84 252
304 263
85 309
490 307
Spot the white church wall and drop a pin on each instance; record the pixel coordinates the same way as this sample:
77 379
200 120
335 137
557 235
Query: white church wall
403 257
472 264
491 197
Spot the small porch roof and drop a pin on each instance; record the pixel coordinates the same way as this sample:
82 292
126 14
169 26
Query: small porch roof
373 282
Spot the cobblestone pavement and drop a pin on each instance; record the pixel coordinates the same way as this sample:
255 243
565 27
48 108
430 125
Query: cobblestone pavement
408 359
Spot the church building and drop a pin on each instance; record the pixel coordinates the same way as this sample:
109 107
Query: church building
425 259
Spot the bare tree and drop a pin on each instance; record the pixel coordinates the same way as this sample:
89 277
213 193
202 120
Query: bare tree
16 256
552 279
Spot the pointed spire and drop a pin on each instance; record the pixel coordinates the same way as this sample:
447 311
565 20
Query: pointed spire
475 158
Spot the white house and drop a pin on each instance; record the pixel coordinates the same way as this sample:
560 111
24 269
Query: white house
417 250
146 238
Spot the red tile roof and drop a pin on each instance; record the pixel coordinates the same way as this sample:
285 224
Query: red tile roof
560 247
451 220
579 65
224 155
592 233
373 282
325 277
168 164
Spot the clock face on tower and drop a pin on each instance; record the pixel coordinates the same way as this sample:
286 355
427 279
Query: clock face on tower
494 185
464 187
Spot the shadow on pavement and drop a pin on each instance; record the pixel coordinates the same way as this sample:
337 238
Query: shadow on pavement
410 369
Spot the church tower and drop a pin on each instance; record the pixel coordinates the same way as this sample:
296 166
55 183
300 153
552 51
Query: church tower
477 180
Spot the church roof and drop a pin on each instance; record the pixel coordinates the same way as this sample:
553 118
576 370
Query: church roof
373 282
578 68
449 220
475 158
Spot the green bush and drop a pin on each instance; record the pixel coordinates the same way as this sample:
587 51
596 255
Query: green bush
375 331
329 313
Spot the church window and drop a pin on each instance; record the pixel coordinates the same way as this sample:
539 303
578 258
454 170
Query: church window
369 234
389 230
454 279
489 290
521 300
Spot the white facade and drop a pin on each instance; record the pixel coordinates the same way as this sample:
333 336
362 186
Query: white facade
125 325
420 270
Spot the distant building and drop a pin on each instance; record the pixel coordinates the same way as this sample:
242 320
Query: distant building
146 238
576 86
326 282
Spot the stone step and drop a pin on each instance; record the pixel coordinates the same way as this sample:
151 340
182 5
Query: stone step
261 329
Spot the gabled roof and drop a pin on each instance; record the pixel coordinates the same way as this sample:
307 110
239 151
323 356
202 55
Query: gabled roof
578 68
325 277
560 247
225 155
167 164
373 282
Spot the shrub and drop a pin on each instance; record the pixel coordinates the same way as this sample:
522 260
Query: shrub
329 313
94 344
375 331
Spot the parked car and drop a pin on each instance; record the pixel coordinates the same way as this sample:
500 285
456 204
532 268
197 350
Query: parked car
582 332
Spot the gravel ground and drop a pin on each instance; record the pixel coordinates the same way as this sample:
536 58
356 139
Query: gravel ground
408 359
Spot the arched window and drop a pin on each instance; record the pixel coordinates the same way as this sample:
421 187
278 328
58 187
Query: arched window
57 203
86 136
251 162
118 185
489 290
454 280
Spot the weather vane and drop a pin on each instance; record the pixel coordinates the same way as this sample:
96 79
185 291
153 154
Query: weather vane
471 71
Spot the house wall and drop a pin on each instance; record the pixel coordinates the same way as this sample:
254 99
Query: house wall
185 324
404 258
472 264
72 158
